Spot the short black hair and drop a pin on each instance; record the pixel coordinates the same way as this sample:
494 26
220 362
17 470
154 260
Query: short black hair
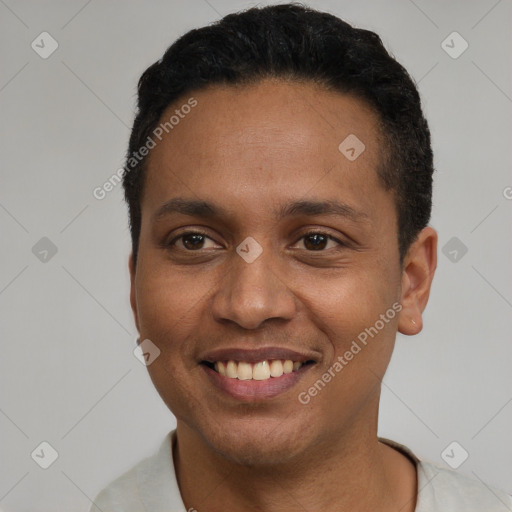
295 42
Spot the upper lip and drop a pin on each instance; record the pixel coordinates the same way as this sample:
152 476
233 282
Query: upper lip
258 354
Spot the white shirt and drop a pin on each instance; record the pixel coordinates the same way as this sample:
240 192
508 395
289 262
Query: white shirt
151 486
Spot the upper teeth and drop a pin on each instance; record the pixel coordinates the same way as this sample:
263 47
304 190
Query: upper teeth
257 371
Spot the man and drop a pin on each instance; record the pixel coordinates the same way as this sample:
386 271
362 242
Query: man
279 182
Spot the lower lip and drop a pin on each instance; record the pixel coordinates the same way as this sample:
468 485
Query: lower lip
252 390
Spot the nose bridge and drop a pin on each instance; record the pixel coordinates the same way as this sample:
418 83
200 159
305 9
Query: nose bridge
252 290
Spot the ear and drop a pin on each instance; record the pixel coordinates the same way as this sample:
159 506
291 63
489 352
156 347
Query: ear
133 295
418 272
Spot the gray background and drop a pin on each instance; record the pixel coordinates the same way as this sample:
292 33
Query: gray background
69 376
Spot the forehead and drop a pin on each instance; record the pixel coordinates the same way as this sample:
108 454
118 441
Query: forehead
272 138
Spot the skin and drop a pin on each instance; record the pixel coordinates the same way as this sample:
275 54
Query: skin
249 150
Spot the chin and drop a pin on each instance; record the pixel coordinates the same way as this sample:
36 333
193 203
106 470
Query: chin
249 443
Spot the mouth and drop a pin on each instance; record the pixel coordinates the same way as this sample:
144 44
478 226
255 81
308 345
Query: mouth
249 375
261 370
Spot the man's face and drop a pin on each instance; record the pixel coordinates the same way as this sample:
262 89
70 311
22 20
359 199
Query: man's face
251 153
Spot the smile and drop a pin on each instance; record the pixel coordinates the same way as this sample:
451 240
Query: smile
262 370
255 374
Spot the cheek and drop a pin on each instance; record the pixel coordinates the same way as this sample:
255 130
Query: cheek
355 312
349 314
168 307
361 311
346 304
169 300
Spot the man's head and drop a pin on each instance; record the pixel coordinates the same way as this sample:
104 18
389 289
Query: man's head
297 43
261 235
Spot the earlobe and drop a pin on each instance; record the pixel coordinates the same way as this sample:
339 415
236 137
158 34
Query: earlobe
133 295
419 267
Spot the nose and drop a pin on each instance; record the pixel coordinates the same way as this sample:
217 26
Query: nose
252 293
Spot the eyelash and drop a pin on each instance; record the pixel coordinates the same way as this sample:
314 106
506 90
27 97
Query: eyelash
171 244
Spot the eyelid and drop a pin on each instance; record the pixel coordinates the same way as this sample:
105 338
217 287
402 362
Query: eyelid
308 232
325 232
172 242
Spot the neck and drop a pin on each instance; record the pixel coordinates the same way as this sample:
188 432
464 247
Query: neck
352 471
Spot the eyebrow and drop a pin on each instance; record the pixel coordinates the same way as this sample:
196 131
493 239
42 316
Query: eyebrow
198 208
328 207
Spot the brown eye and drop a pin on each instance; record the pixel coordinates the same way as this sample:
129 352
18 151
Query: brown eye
315 241
318 241
193 241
